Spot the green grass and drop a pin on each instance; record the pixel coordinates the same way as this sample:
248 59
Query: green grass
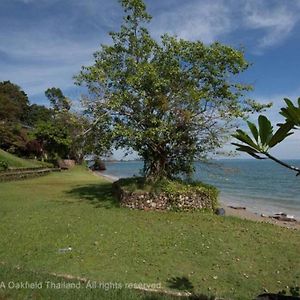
46 287
228 257
17 162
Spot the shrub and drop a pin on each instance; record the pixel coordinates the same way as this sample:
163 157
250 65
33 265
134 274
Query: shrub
98 165
3 165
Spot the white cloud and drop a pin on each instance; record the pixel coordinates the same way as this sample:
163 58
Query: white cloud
50 47
44 61
276 21
204 20
278 103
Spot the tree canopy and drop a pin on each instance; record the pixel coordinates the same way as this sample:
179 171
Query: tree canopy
57 99
14 105
13 102
172 101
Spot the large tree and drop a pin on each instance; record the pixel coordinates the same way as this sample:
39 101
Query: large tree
63 132
14 105
172 101
38 113
57 99
13 102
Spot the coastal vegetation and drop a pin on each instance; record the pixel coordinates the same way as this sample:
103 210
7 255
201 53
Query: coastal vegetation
42 133
172 101
263 139
210 255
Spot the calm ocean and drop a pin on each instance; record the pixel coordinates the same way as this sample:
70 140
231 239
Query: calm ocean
261 186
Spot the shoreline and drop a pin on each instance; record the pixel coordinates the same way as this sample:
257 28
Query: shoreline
229 211
256 217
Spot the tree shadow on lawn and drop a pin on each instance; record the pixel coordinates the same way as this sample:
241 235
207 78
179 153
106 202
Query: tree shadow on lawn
184 284
100 195
180 283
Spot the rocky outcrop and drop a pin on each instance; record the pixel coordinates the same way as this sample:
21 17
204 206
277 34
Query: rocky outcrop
66 164
190 200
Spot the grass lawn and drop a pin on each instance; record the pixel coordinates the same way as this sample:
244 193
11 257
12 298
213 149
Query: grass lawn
228 257
17 162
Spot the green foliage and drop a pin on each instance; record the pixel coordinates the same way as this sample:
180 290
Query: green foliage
38 113
13 102
17 162
3 165
99 164
61 131
264 138
291 112
57 99
171 101
37 131
54 138
14 105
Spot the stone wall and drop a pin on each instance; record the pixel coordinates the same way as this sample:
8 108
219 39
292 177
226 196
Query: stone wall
66 163
24 173
192 200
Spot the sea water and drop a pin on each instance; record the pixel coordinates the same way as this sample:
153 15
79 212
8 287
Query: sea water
261 186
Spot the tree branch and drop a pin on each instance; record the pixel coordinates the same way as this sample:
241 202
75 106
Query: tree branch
295 169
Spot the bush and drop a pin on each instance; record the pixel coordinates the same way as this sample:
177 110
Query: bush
98 165
3 165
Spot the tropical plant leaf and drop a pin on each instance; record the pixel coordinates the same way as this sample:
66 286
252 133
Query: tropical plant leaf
245 148
289 103
245 138
254 130
265 130
281 134
291 114
250 153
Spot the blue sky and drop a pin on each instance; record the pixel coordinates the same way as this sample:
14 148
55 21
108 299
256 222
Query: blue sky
45 42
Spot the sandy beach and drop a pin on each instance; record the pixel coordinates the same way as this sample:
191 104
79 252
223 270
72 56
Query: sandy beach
229 211
248 215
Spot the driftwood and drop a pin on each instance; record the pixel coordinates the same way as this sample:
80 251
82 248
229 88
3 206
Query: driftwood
237 207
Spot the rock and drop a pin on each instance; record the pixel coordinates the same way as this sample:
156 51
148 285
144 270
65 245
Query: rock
162 200
220 211
286 219
153 205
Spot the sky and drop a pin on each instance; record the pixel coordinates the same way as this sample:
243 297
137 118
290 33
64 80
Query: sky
44 43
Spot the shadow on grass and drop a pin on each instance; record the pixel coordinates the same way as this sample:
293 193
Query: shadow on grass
100 195
180 283
184 284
